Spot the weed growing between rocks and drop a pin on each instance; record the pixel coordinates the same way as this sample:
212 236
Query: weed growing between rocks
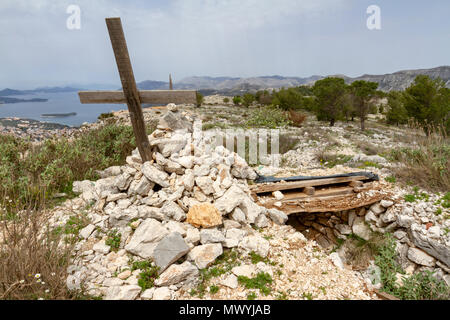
261 282
223 264
148 274
419 286
113 239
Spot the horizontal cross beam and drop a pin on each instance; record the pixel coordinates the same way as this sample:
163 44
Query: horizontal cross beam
146 96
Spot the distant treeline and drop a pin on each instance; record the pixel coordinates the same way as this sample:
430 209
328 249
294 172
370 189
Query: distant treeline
425 101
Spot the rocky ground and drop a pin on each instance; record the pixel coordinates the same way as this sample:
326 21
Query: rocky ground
190 214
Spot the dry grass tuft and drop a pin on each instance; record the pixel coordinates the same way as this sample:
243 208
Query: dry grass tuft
33 265
427 163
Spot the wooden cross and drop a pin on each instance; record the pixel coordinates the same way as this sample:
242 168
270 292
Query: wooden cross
130 95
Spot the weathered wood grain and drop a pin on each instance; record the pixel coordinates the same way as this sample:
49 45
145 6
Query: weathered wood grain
130 91
302 184
145 96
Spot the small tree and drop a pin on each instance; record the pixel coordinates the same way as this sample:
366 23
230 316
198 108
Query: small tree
363 92
427 100
237 100
263 97
199 99
288 99
329 93
397 113
248 99
348 108
226 100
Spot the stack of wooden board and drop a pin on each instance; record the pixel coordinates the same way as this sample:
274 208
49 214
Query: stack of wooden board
319 194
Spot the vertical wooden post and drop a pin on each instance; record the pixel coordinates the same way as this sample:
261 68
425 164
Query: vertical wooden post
170 82
129 86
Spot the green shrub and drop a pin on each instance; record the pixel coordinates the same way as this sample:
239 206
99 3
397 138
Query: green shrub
293 98
248 99
30 173
237 100
105 115
113 239
199 98
419 286
268 117
213 289
148 273
251 296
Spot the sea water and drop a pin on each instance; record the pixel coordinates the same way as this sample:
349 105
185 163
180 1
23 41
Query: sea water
64 102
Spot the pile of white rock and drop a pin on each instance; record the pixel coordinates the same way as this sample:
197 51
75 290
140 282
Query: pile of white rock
186 205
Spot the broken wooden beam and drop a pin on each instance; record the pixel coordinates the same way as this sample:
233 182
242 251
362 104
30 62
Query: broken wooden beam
145 96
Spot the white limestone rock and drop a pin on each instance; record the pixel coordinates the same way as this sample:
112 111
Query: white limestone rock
206 254
146 237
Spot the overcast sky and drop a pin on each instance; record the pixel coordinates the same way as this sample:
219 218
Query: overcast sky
239 38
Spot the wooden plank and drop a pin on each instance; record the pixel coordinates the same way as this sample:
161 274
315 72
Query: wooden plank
131 94
145 96
291 198
290 209
302 184
384 295
356 184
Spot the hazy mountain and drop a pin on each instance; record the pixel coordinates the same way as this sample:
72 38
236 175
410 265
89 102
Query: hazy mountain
13 92
153 85
230 86
402 79
56 89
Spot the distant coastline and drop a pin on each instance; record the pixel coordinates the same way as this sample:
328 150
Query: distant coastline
5 94
5 100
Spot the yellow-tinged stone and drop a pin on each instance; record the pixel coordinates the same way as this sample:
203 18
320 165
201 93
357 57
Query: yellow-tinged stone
204 215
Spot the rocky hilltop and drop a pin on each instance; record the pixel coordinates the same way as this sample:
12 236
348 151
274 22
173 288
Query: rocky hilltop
402 79
185 226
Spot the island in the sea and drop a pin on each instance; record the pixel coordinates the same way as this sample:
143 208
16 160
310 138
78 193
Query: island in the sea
5 94
58 115
17 100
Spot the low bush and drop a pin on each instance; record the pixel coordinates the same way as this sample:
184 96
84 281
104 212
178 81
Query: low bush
27 170
268 117
419 286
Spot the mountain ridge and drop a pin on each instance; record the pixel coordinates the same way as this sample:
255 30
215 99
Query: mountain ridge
398 80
